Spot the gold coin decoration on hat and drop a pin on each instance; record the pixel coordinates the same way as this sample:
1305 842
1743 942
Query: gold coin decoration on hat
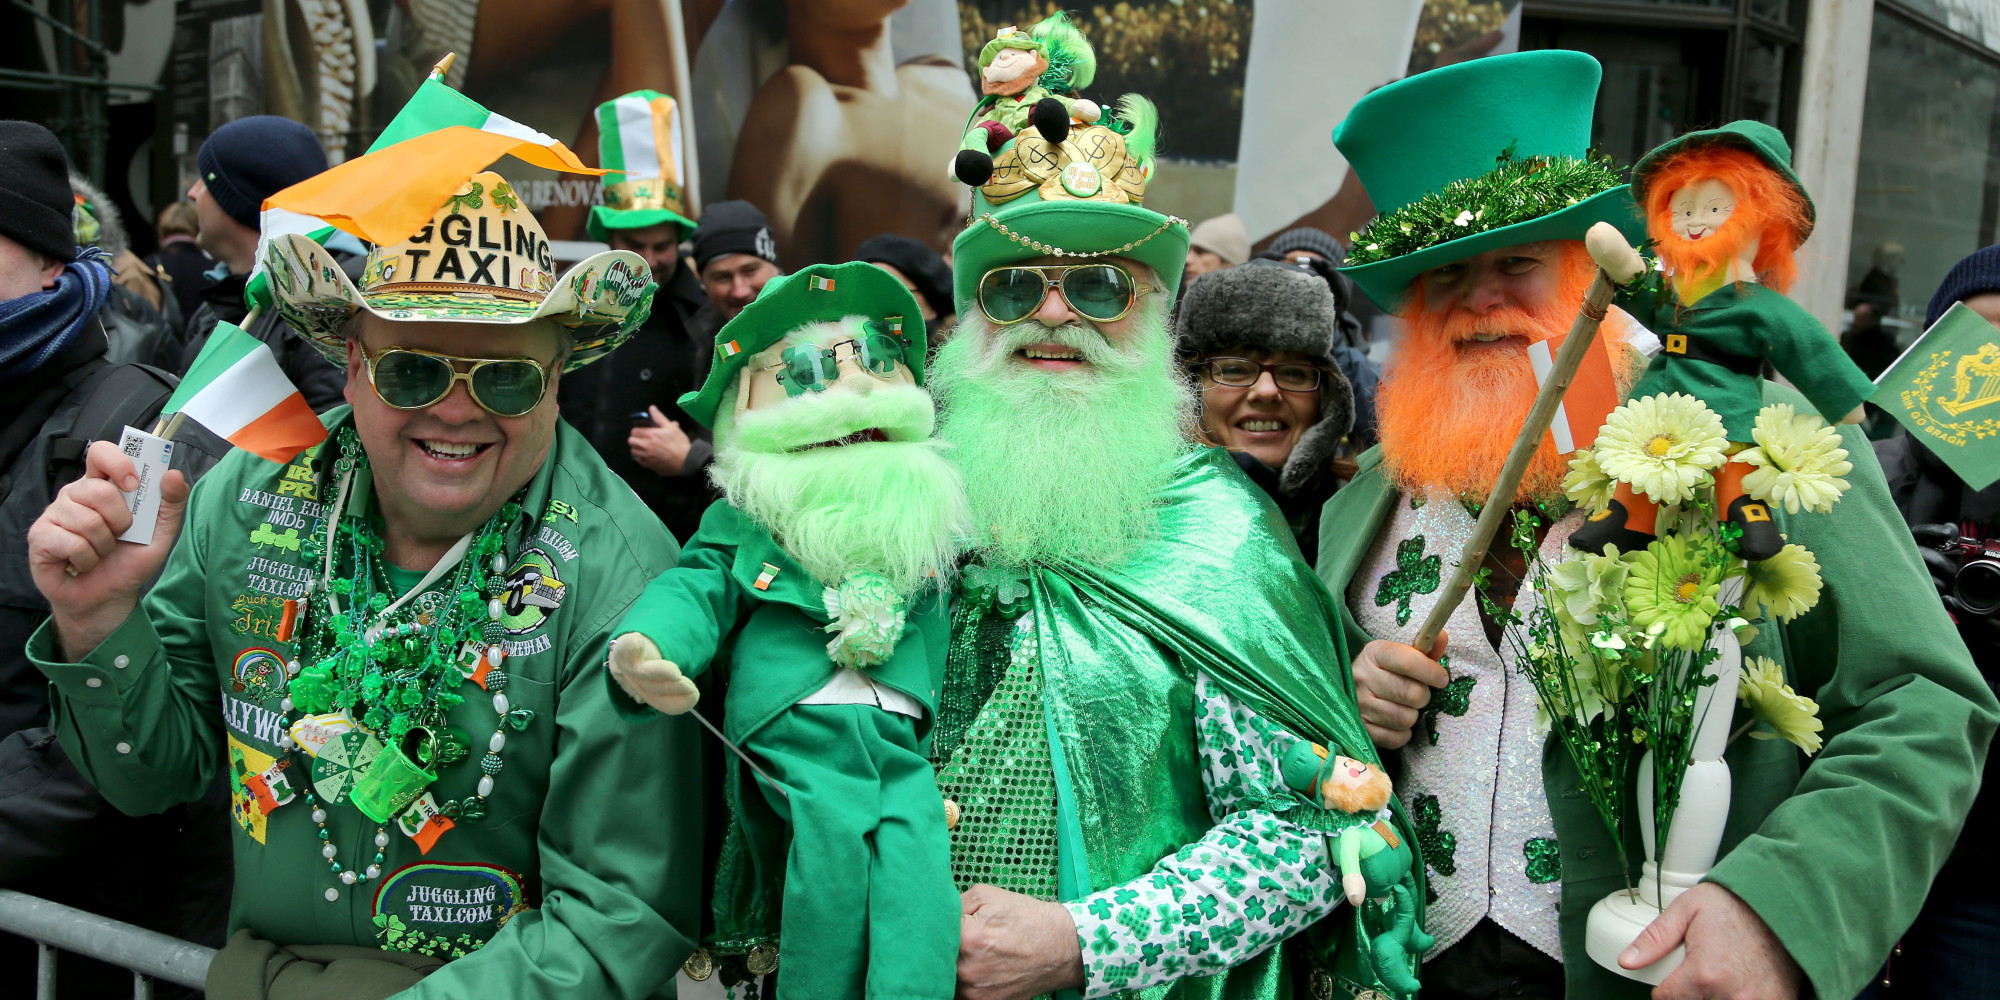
1091 165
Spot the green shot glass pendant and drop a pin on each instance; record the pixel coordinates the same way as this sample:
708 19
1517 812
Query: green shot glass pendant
366 701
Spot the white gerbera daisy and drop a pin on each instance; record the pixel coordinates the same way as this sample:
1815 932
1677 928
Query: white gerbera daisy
1798 459
1586 482
1664 446
1784 586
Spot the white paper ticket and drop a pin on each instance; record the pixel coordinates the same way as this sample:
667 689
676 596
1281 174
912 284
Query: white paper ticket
149 455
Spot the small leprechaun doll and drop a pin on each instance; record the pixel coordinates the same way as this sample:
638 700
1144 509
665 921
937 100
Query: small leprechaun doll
1725 215
1027 78
813 591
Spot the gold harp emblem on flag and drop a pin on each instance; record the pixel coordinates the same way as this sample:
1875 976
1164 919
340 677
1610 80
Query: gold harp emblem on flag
1976 379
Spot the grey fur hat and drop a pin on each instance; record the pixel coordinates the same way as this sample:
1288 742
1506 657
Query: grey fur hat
1277 307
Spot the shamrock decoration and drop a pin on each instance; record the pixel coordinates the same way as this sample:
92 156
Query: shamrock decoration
503 196
474 198
1438 845
1453 700
1415 573
1544 861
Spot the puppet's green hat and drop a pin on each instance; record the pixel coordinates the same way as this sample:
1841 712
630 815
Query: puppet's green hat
822 293
639 141
1489 153
1083 199
1766 142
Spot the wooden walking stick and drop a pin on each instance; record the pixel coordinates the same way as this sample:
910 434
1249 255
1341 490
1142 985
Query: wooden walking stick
1501 500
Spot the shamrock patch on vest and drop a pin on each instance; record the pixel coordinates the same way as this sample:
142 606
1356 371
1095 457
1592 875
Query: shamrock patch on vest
445 909
534 591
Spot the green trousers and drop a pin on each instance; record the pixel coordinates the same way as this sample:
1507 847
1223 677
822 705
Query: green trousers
869 906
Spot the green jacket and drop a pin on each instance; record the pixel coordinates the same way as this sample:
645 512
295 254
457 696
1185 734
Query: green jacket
1836 853
594 824
1730 332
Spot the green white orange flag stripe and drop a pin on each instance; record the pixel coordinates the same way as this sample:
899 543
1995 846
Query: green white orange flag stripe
647 146
438 141
274 223
236 390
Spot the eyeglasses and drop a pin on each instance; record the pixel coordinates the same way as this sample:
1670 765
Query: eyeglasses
803 368
1240 373
409 379
1101 293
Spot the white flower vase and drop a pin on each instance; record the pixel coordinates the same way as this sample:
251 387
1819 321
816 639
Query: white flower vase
1695 838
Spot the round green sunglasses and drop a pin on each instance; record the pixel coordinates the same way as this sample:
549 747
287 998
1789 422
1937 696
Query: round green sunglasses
409 379
1101 293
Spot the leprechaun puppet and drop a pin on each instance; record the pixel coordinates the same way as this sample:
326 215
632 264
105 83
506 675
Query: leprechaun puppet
393 644
814 590
1029 78
1726 216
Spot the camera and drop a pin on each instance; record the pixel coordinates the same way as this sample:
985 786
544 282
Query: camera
1977 583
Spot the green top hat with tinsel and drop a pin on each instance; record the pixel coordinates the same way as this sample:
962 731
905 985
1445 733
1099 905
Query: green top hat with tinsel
1489 153
1766 142
1081 199
639 141
822 293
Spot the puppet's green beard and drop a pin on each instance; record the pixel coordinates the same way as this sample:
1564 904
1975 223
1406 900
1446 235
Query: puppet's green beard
892 507
1062 466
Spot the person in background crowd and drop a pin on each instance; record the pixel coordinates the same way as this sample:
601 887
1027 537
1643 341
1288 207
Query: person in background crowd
59 838
1257 339
1323 255
139 315
1949 951
921 270
735 255
241 164
179 260
1215 244
628 411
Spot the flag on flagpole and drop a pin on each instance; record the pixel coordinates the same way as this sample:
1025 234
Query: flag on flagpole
1588 401
272 224
236 390
1944 390
422 158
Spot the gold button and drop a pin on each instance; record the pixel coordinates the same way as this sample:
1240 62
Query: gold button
950 815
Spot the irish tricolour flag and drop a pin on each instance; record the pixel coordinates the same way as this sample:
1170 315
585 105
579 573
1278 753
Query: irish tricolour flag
236 389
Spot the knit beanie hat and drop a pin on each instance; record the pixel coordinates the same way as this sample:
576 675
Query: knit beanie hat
1318 241
729 227
1277 307
250 159
35 200
1223 236
1977 274
919 263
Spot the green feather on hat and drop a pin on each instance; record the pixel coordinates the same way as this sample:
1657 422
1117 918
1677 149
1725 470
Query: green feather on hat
639 141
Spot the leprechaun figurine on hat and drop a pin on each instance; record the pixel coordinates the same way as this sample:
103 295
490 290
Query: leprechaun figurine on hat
1028 78
1726 216
839 519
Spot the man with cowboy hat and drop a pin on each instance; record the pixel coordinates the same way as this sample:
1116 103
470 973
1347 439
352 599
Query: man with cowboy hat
1133 654
1479 249
404 631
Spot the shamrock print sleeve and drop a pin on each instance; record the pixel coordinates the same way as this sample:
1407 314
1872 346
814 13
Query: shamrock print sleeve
1252 881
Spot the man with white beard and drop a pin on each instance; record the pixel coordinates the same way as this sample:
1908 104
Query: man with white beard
1824 861
1136 643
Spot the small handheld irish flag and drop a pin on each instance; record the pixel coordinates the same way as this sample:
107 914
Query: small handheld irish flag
1588 401
236 389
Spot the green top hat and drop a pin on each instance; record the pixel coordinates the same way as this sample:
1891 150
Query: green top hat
639 141
1081 199
1489 153
1768 143
822 293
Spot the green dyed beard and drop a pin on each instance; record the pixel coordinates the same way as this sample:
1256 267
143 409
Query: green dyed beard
892 507
1062 466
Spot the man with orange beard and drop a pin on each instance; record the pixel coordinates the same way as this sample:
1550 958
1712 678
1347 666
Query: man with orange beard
1825 861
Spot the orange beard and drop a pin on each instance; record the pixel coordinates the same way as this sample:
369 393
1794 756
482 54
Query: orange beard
1449 409
1703 262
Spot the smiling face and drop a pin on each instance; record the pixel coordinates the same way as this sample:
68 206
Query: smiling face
442 470
1012 71
1355 786
1261 419
1702 207
734 281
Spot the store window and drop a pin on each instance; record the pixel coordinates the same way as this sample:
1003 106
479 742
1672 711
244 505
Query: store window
1928 185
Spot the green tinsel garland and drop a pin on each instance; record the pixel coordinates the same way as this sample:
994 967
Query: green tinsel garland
1515 191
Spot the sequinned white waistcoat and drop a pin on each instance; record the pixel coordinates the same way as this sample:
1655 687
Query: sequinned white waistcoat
1472 772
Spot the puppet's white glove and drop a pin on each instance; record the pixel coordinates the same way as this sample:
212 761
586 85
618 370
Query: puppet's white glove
637 666
1085 110
1608 248
1356 885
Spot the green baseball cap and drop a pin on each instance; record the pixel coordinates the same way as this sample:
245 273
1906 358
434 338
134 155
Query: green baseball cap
822 293
1485 154
1766 142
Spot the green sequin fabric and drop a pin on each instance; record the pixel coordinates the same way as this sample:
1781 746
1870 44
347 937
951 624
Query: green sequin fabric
1415 573
1545 863
1002 775
1437 844
1454 699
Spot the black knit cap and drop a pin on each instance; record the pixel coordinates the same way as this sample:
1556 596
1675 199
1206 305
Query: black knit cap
250 159
729 227
1977 274
35 199
924 267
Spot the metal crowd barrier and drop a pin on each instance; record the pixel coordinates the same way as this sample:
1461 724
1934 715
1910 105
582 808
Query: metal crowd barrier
149 954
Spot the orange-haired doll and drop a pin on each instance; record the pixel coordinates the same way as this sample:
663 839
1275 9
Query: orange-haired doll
1726 216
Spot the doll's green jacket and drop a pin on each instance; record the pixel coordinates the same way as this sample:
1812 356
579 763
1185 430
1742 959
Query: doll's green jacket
1835 852
595 825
